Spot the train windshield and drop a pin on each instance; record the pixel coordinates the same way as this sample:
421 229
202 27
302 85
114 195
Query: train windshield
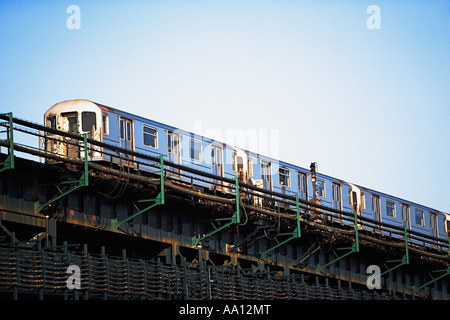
88 121
70 121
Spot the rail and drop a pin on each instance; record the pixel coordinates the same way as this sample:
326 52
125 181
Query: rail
141 167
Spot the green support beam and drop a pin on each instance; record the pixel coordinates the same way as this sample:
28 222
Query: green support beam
446 272
404 260
82 182
353 249
9 161
295 234
235 218
159 200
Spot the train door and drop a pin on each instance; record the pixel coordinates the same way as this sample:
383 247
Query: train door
376 214
336 195
433 225
126 137
216 163
173 150
405 215
302 186
69 122
266 175
240 164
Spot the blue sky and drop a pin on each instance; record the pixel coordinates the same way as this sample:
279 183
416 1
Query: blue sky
370 106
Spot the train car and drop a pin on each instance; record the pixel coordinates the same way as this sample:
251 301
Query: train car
128 131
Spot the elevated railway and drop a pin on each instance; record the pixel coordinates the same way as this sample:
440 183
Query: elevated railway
53 203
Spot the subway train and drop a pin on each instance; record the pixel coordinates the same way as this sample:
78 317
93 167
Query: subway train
128 131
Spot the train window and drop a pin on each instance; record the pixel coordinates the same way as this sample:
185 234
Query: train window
433 221
70 121
250 167
150 137
88 121
363 201
233 161
265 171
419 217
122 129
405 212
173 139
301 182
390 208
125 129
51 122
285 179
446 225
105 123
320 188
195 151
128 130
375 207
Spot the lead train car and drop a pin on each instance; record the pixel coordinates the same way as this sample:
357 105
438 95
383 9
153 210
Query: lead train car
128 131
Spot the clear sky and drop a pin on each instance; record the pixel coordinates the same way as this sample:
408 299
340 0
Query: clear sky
370 106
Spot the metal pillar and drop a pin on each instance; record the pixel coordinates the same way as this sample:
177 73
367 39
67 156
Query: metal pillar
354 248
404 260
9 161
82 182
293 235
159 200
235 218
446 272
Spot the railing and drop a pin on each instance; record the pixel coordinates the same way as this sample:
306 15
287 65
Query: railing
229 192
43 272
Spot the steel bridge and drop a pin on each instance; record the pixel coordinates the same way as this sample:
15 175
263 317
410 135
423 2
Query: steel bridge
53 207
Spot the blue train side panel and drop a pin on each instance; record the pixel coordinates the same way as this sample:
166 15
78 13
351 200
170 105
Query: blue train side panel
282 177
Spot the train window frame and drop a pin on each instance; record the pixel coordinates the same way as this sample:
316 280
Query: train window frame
432 217
51 122
192 150
376 208
284 177
446 225
173 143
422 218
128 131
302 180
105 124
390 209
154 136
265 171
323 188
249 166
72 121
125 129
405 212
122 124
234 161
86 117
362 199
